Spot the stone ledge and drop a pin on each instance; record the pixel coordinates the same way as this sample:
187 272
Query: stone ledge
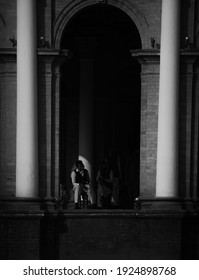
169 205
24 205
143 208
10 54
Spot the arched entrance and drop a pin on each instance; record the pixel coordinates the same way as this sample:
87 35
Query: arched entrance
103 74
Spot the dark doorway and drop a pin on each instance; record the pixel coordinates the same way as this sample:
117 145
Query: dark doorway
106 34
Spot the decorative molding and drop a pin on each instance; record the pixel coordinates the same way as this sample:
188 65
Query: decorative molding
73 7
145 56
10 54
102 1
168 206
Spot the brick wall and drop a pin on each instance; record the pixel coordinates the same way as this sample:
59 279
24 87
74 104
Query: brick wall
7 22
195 135
7 127
44 115
7 100
146 15
185 126
77 236
116 238
149 124
19 238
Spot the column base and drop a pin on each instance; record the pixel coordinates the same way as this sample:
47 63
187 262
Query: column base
168 205
26 205
16 204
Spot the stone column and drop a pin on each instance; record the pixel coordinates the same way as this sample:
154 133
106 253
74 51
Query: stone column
86 113
167 150
27 134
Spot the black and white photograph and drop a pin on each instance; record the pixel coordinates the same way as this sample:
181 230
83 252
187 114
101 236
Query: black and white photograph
99 126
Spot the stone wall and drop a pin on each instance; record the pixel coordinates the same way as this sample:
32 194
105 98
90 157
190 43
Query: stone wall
98 235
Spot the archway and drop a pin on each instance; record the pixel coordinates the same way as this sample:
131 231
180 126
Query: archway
104 36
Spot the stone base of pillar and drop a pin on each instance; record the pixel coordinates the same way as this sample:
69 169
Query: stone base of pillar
20 205
168 205
27 205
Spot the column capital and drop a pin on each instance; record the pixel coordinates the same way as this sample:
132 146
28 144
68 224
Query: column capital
8 55
57 56
146 56
188 60
8 58
149 60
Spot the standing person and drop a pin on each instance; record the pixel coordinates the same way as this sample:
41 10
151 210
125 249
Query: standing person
81 183
114 163
105 185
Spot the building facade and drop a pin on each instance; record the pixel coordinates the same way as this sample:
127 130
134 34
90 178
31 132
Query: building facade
76 79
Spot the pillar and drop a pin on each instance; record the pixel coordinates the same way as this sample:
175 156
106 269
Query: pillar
167 150
27 134
86 113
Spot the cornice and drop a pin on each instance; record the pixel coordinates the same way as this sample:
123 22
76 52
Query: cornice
144 56
10 54
188 57
154 54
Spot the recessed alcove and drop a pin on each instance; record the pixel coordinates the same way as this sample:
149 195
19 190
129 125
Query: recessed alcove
104 35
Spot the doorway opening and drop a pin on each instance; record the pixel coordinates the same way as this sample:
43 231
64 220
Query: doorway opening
105 35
